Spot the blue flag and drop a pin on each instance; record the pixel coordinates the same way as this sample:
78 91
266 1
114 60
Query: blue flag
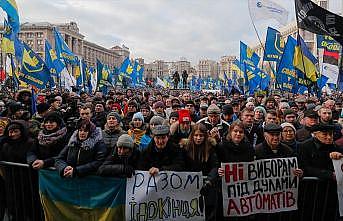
10 7
322 81
54 64
248 56
62 49
18 48
286 73
274 45
33 69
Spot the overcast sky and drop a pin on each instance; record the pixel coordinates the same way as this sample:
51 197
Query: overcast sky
158 29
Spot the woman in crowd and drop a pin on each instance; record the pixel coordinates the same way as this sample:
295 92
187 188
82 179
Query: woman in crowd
112 130
288 136
234 148
201 156
123 161
138 130
84 153
51 140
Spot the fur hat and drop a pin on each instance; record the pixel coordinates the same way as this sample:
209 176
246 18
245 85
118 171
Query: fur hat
125 141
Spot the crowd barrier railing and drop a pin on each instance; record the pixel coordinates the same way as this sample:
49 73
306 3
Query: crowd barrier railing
19 198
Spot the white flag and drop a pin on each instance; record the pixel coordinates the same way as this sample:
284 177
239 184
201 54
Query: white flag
266 9
67 80
159 82
330 71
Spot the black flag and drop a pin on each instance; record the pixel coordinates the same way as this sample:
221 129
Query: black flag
318 20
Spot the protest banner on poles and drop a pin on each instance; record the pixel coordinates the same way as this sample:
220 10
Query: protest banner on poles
166 196
261 186
338 165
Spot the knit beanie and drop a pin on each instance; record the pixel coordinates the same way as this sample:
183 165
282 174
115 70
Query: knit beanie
213 109
114 114
138 115
174 114
156 120
260 108
283 125
125 141
184 116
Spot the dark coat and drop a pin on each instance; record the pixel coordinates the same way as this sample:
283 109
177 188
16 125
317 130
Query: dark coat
85 157
48 151
170 158
254 134
99 119
115 165
16 150
263 151
315 158
303 134
222 126
228 152
110 137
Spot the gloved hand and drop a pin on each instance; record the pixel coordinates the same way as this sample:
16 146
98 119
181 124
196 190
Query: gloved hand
206 188
128 171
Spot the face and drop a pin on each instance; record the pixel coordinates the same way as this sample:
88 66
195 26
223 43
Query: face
325 114
18 114
185 126
270 118
283 109
330 105
310 121
168 102
112 121
137 123
277 99
131 108
83 134
2 106
326 137
129 93
237 134
190 107
145 112
186 97
172 120
98 94
288 134
250 105
203 113
85 114
248 118
258 115
57 104
14 134
235 108
50 125
273 139
214 118
161 141
295 109
290 118
123 151
199 137
270 104
99 108
159 109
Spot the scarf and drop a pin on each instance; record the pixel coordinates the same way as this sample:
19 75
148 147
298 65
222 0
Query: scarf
52 138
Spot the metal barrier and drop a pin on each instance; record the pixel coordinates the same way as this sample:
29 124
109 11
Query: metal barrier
19 198
19 194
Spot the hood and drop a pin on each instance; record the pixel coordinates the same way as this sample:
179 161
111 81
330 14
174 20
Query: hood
89 143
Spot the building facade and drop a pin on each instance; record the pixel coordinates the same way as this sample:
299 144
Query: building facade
34 34
208 68
225 63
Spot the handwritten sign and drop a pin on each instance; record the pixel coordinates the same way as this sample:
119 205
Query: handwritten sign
338 165
262 186
166 196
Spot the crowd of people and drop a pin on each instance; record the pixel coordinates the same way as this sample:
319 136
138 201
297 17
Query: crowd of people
116 133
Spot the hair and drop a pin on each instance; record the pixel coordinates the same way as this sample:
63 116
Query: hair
232 126
86 125
199 152
272 112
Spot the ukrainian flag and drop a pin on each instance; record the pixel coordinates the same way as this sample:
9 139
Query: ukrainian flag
304 61
7 43
10 7
82 199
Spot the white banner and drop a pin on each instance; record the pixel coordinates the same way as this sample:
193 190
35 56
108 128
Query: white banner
266 9
330 71
338 165
261 186
166 196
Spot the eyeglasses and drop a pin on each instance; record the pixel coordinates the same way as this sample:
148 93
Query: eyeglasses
288 131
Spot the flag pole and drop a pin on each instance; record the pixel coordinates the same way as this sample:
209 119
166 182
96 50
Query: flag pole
259 39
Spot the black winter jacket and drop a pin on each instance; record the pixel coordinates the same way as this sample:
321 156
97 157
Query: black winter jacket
263 151
228 152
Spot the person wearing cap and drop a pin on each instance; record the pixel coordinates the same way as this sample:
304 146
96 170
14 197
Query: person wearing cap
214 124
259 115
99 116
84 153
291 117
202 111
161 154
174 117
159 109
182 128
138 131
190 106
236 106
112 130
130 109
123 160
227 113
270 104
316 156
51 140
288 136
310 119
154 121
16 143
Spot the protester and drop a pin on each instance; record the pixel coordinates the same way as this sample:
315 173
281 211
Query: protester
138 131
112 130
83 154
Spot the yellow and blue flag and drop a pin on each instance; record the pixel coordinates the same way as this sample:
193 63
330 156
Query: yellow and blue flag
104 76
236 68
77 73
62 49
304 61
7 43
126 67
248 56
33 69
54 64
10 7
81 199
